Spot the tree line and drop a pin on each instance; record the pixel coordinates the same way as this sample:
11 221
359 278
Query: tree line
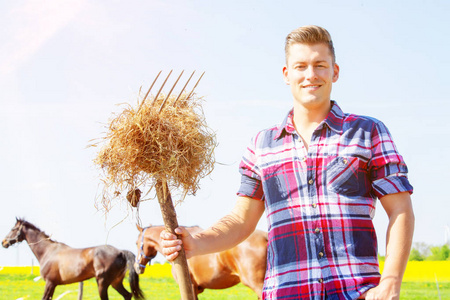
424 252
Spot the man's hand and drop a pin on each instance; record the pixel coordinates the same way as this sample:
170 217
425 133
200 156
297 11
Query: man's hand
386 290
171 245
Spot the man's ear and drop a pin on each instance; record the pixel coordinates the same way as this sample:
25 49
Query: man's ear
335 72
285 75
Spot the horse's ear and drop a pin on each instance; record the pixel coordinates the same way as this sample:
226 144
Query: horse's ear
139 227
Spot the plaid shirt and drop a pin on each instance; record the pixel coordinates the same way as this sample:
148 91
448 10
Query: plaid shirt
320 203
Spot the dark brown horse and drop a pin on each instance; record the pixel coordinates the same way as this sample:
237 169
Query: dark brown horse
244 263
61 264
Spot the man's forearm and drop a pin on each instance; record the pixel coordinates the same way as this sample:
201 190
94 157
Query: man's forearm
398 238
231 229
398 246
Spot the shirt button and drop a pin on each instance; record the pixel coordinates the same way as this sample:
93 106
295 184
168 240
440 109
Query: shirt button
311 181
304 158
314 205
320 280
317 230
320 254
345 161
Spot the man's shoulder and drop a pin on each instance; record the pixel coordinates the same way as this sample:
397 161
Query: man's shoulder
275 131
363 121
268 133
351 117
338 113
270 129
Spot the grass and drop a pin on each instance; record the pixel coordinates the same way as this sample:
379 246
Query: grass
158 284
424 290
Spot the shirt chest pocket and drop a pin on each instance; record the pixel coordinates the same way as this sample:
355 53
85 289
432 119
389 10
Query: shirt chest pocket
343 174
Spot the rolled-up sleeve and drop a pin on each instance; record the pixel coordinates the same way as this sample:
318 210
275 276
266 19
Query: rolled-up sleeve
251 185
389 173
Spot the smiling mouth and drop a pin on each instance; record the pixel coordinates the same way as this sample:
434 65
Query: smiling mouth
311 86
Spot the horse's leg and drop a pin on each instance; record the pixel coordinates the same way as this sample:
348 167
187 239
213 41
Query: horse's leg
118 286
49 290
197 289
103 285
254 281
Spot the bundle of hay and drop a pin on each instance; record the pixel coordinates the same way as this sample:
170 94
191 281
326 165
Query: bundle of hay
144 144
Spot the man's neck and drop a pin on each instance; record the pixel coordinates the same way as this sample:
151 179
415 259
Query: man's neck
306 119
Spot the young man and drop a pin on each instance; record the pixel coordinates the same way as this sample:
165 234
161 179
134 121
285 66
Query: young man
317 176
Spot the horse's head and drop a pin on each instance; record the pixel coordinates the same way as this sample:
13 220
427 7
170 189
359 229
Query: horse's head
146 249
16 235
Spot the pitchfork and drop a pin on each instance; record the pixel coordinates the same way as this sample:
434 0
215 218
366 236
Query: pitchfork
164 197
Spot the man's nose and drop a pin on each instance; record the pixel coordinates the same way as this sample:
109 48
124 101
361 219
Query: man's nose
310 73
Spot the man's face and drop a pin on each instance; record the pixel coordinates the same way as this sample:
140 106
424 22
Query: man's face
310 72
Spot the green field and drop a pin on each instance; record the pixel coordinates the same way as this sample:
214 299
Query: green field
23 286
157 283
18 282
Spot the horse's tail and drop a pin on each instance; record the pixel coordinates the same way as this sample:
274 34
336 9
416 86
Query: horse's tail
133 276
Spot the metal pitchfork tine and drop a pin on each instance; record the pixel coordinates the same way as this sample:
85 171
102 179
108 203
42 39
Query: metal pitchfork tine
160 89
170 92
179 95
195 86
168 95
184 87
148 92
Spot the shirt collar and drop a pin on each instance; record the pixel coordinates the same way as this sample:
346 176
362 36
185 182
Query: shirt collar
334 120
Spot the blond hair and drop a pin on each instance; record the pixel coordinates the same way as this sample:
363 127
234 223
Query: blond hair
310 34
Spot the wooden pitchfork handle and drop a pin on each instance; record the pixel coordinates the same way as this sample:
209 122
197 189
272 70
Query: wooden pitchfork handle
170 221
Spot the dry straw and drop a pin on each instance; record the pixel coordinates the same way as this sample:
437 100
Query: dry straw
145 144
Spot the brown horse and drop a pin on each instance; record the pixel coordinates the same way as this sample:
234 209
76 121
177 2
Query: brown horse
244 263
61 264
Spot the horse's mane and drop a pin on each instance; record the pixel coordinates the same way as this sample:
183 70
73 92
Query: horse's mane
32 226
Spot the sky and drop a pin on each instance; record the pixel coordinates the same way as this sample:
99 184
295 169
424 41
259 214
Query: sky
66 65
